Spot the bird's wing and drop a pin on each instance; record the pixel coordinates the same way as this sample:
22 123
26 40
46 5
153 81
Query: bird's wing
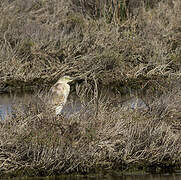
57 93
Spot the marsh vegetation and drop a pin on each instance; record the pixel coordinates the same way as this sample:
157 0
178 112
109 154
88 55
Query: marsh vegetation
113 48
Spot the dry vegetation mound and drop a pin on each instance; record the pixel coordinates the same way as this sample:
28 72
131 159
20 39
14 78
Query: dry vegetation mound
112 139
119 43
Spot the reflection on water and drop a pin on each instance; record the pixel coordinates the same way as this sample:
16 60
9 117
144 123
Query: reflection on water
109 177
5 111
5 107
7 103
72 107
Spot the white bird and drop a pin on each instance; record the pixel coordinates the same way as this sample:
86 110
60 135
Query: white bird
59 93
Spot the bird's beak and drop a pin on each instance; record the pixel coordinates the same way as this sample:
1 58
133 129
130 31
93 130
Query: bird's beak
71 79
77 78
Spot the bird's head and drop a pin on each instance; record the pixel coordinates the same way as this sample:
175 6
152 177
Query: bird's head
65 79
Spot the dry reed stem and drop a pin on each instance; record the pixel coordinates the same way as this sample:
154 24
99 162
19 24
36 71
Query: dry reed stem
53 40
113 140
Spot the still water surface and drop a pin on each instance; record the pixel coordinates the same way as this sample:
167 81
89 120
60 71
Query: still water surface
72 107
7 102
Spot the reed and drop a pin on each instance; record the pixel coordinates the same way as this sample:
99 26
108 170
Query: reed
50 39
88 142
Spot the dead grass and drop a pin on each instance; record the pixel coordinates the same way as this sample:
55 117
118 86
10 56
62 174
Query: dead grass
46 40
120 47
87 142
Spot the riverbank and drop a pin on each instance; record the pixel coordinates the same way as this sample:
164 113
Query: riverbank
117 48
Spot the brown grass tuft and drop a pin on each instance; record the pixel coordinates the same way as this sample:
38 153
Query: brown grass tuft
114 139
46 40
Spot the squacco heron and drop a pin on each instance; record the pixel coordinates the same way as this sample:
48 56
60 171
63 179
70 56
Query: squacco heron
59 93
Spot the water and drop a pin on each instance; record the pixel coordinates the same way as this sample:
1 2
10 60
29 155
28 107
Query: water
72 107
109 177
5 111
5 106
135 103
8 101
